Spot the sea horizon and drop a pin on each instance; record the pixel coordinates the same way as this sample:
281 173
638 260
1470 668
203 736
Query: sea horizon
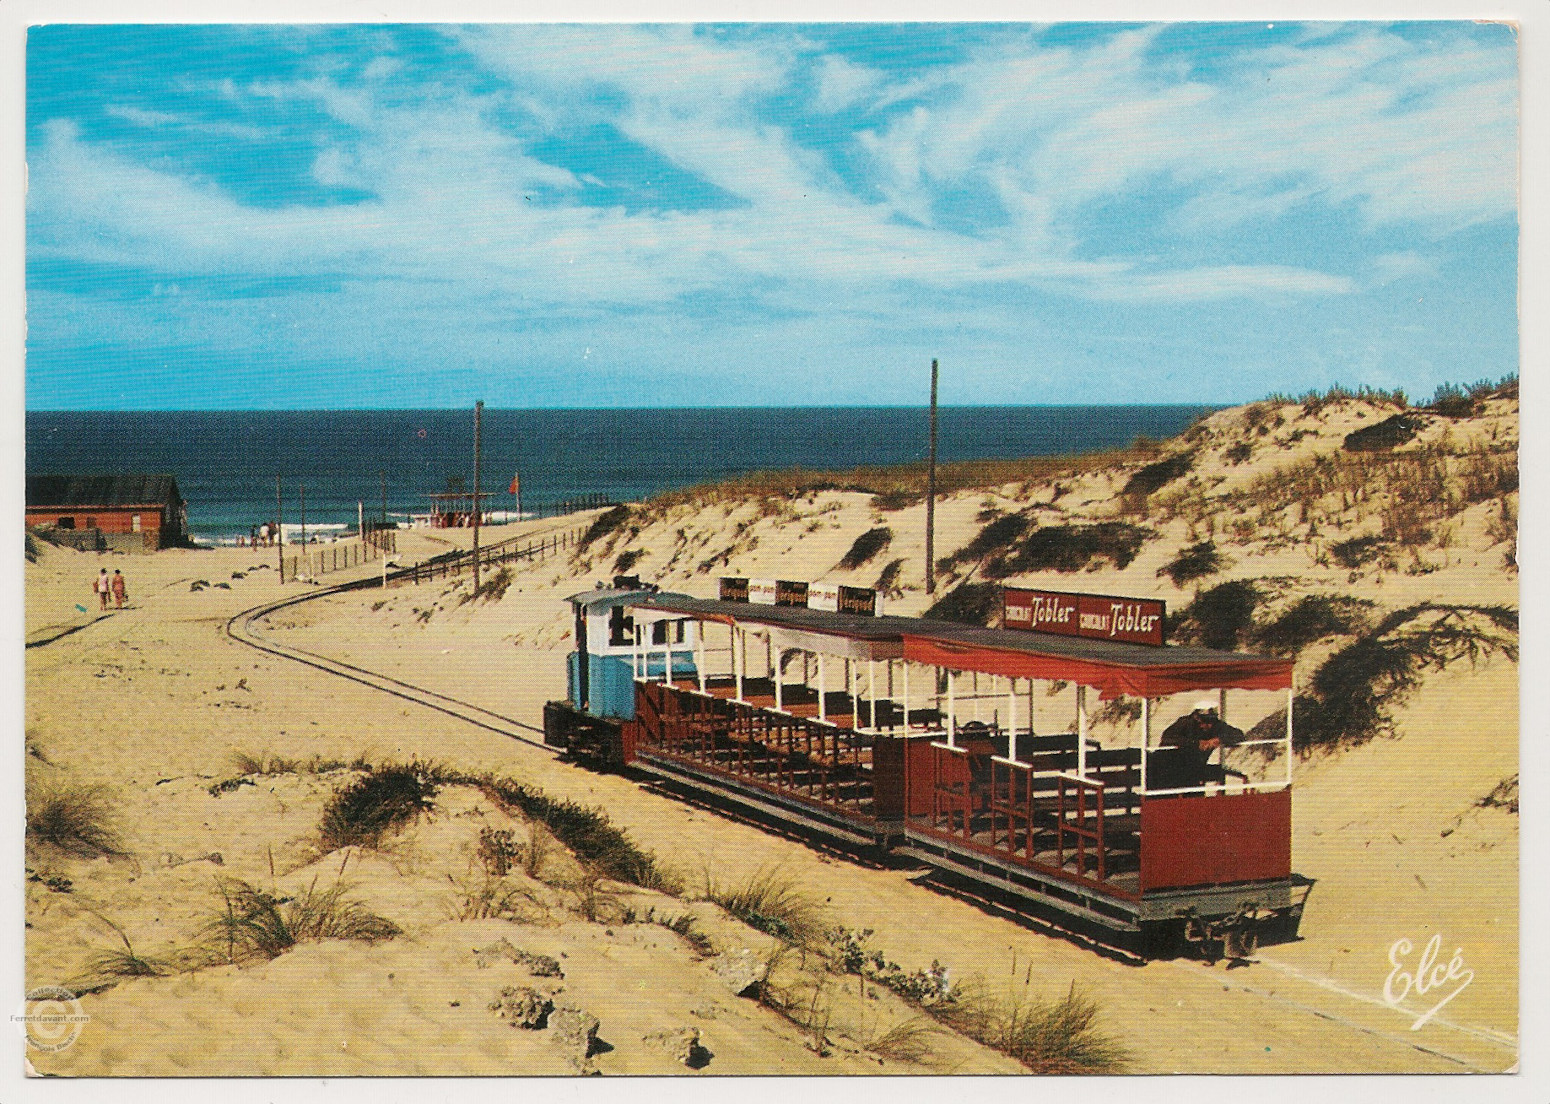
349 461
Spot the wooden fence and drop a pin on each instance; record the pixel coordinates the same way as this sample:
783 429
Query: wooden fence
338 557
535 549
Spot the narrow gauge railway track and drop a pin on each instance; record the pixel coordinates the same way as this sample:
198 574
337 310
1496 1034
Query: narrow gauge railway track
241 628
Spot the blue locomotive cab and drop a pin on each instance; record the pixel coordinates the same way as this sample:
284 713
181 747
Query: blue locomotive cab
616 643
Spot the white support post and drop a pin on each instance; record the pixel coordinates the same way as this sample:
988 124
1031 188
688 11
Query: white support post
778 706
699 646
739 640
853 687
1221 703
952 718
822 688
906 665
1289 699
1081 732
635 664
1146 736
1011 719
667 663
871 692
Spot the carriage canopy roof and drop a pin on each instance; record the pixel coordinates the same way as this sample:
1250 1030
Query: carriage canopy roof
1114 669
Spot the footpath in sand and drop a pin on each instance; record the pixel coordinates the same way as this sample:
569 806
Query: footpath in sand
152 703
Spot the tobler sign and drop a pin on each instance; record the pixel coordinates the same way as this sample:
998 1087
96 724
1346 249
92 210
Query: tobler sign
1091 616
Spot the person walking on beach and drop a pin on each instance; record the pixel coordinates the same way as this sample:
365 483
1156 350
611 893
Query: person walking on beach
102 586
120 589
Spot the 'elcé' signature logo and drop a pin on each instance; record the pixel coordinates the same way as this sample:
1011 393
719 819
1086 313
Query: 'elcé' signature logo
1429 975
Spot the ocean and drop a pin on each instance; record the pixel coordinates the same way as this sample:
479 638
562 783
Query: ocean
226 462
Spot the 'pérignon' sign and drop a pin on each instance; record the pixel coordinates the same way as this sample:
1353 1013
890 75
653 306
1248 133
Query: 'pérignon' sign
1092 616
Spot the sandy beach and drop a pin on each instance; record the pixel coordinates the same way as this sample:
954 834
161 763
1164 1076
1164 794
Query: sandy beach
216 762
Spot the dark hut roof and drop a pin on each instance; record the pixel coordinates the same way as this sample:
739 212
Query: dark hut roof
101 490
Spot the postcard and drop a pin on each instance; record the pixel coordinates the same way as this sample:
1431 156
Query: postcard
739 549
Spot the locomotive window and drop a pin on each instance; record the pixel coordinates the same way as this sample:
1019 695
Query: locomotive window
621 628
667 632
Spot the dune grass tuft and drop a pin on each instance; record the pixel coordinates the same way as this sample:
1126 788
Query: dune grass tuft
72 816
383 801
255 924
906 1041
587 832
770 901
1156 476
1058 1036
609 521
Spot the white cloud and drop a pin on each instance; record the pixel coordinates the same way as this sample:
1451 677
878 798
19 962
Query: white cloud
1223 282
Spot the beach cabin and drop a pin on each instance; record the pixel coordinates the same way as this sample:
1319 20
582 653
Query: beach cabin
100 513
918 737
455 509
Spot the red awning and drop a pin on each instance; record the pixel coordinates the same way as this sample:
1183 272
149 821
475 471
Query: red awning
1154 679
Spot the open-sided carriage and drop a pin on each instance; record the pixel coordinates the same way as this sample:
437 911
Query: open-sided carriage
972 750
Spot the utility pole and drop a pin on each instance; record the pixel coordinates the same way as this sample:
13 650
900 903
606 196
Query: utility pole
931 494
478 415
279 540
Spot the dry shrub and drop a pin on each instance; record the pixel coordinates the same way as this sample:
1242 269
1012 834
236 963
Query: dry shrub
72 816
1356 551
1154 477
1389 433
1071 548
967 604
888 580
867 546
1194 562
995 538
1312 618
497 851
1221 617
492 588
1504 795
1352 693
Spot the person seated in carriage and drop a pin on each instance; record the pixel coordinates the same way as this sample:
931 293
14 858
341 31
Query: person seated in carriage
1184 761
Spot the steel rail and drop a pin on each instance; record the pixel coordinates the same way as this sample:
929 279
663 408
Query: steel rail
241 628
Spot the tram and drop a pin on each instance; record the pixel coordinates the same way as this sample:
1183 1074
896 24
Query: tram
974 751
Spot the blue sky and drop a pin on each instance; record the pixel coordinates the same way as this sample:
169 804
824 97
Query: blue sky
621 215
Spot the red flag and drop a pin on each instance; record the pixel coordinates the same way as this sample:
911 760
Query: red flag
516 483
